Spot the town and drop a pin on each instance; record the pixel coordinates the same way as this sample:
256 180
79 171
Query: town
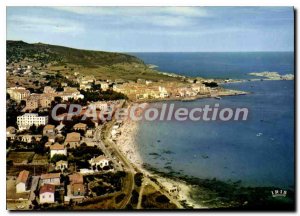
63 164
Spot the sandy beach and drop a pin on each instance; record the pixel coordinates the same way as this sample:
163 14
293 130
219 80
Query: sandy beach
126 143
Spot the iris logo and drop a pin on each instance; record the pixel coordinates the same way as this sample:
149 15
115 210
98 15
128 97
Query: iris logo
279 193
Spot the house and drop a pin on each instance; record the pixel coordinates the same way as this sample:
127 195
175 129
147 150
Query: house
58 149
50 178
80 126
77 189
49 130
47 192
101 161
29 138
10 130
76 178
73 139
22 181
31 104
61 165
18 93
49 90
89 134
104 86
76 186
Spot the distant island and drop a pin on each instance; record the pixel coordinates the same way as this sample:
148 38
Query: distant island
273 75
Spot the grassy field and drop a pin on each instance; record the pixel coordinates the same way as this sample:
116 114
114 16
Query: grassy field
40 159
20 157
33 169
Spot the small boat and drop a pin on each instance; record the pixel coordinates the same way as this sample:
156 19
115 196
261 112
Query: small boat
219 98
259 134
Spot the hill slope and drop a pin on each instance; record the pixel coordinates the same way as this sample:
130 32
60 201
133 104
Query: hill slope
45 53
67 61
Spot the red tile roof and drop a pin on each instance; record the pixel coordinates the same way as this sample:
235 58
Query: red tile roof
50 175
47 188
73 137
57 146
23 176
76 178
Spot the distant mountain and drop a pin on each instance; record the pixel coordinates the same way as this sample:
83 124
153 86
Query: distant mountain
45 53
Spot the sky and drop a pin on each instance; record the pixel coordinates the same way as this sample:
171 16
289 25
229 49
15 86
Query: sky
156 29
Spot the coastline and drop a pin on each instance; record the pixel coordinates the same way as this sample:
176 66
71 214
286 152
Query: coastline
126 143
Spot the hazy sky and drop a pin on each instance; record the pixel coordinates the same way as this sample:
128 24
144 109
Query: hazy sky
161 29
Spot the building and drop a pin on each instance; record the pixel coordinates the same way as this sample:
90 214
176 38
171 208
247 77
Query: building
47 192
70 93
10 130
50 178
89 133
76 186
80 126
104 86
28 138
31 104
49 90
57 149
18 93
49 130
76 178
77 189
73 139
28 119
61 165
22 181
45 101
101 161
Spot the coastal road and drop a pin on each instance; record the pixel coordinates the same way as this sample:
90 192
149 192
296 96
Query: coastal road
130 168
141 194
129 183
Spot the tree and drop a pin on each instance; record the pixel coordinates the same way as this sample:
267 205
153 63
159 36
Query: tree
58 99
58 157
23 103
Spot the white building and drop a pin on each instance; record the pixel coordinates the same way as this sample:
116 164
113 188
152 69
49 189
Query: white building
58 149
18 93
47 193
101 160
163 92
104 86
29 119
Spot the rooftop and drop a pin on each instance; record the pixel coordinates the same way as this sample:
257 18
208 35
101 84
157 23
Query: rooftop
50 175
76 178
49 127
23 176
73 137
47 188
57 146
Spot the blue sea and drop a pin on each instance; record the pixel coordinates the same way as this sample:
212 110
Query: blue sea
258 151
221 65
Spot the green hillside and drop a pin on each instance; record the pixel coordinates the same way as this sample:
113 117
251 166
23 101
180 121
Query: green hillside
45 53
65 60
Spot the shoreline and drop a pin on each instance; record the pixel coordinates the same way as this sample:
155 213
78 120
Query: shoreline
127 145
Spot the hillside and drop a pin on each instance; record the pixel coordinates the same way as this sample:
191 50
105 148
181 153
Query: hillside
45 53
65 60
